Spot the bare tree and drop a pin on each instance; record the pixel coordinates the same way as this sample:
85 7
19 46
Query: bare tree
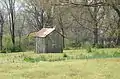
35 13
115 6
10 7
60 22
12 20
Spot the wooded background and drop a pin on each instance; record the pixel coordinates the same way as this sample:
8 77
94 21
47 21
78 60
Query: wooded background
81 22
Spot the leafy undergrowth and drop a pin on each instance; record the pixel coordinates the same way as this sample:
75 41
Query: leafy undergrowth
52 57
74 55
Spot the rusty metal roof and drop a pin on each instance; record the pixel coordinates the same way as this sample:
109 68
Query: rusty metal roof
44 32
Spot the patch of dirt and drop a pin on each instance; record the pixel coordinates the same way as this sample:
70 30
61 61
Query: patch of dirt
114 60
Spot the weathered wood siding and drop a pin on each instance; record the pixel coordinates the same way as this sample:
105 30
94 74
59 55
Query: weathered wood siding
40 45
50 44
54 43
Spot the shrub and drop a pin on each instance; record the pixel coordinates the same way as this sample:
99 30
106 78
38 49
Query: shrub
67 48
7 44
65 55
116 54
3 51
21 45
99 46
38 59
74 44
29 59
16 49
29 43
42 58
88 47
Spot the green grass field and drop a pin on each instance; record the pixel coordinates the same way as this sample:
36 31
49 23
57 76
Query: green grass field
51 66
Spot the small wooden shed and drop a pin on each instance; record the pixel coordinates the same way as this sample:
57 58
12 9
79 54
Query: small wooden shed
48 40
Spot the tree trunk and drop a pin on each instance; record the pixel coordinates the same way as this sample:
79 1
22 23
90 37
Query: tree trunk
13 29
12 23
62 29
42 19
1 30
1 35
95 34
0 38
63 38
95 25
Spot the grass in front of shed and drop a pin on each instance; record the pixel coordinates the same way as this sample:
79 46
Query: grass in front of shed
13 65
73 69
